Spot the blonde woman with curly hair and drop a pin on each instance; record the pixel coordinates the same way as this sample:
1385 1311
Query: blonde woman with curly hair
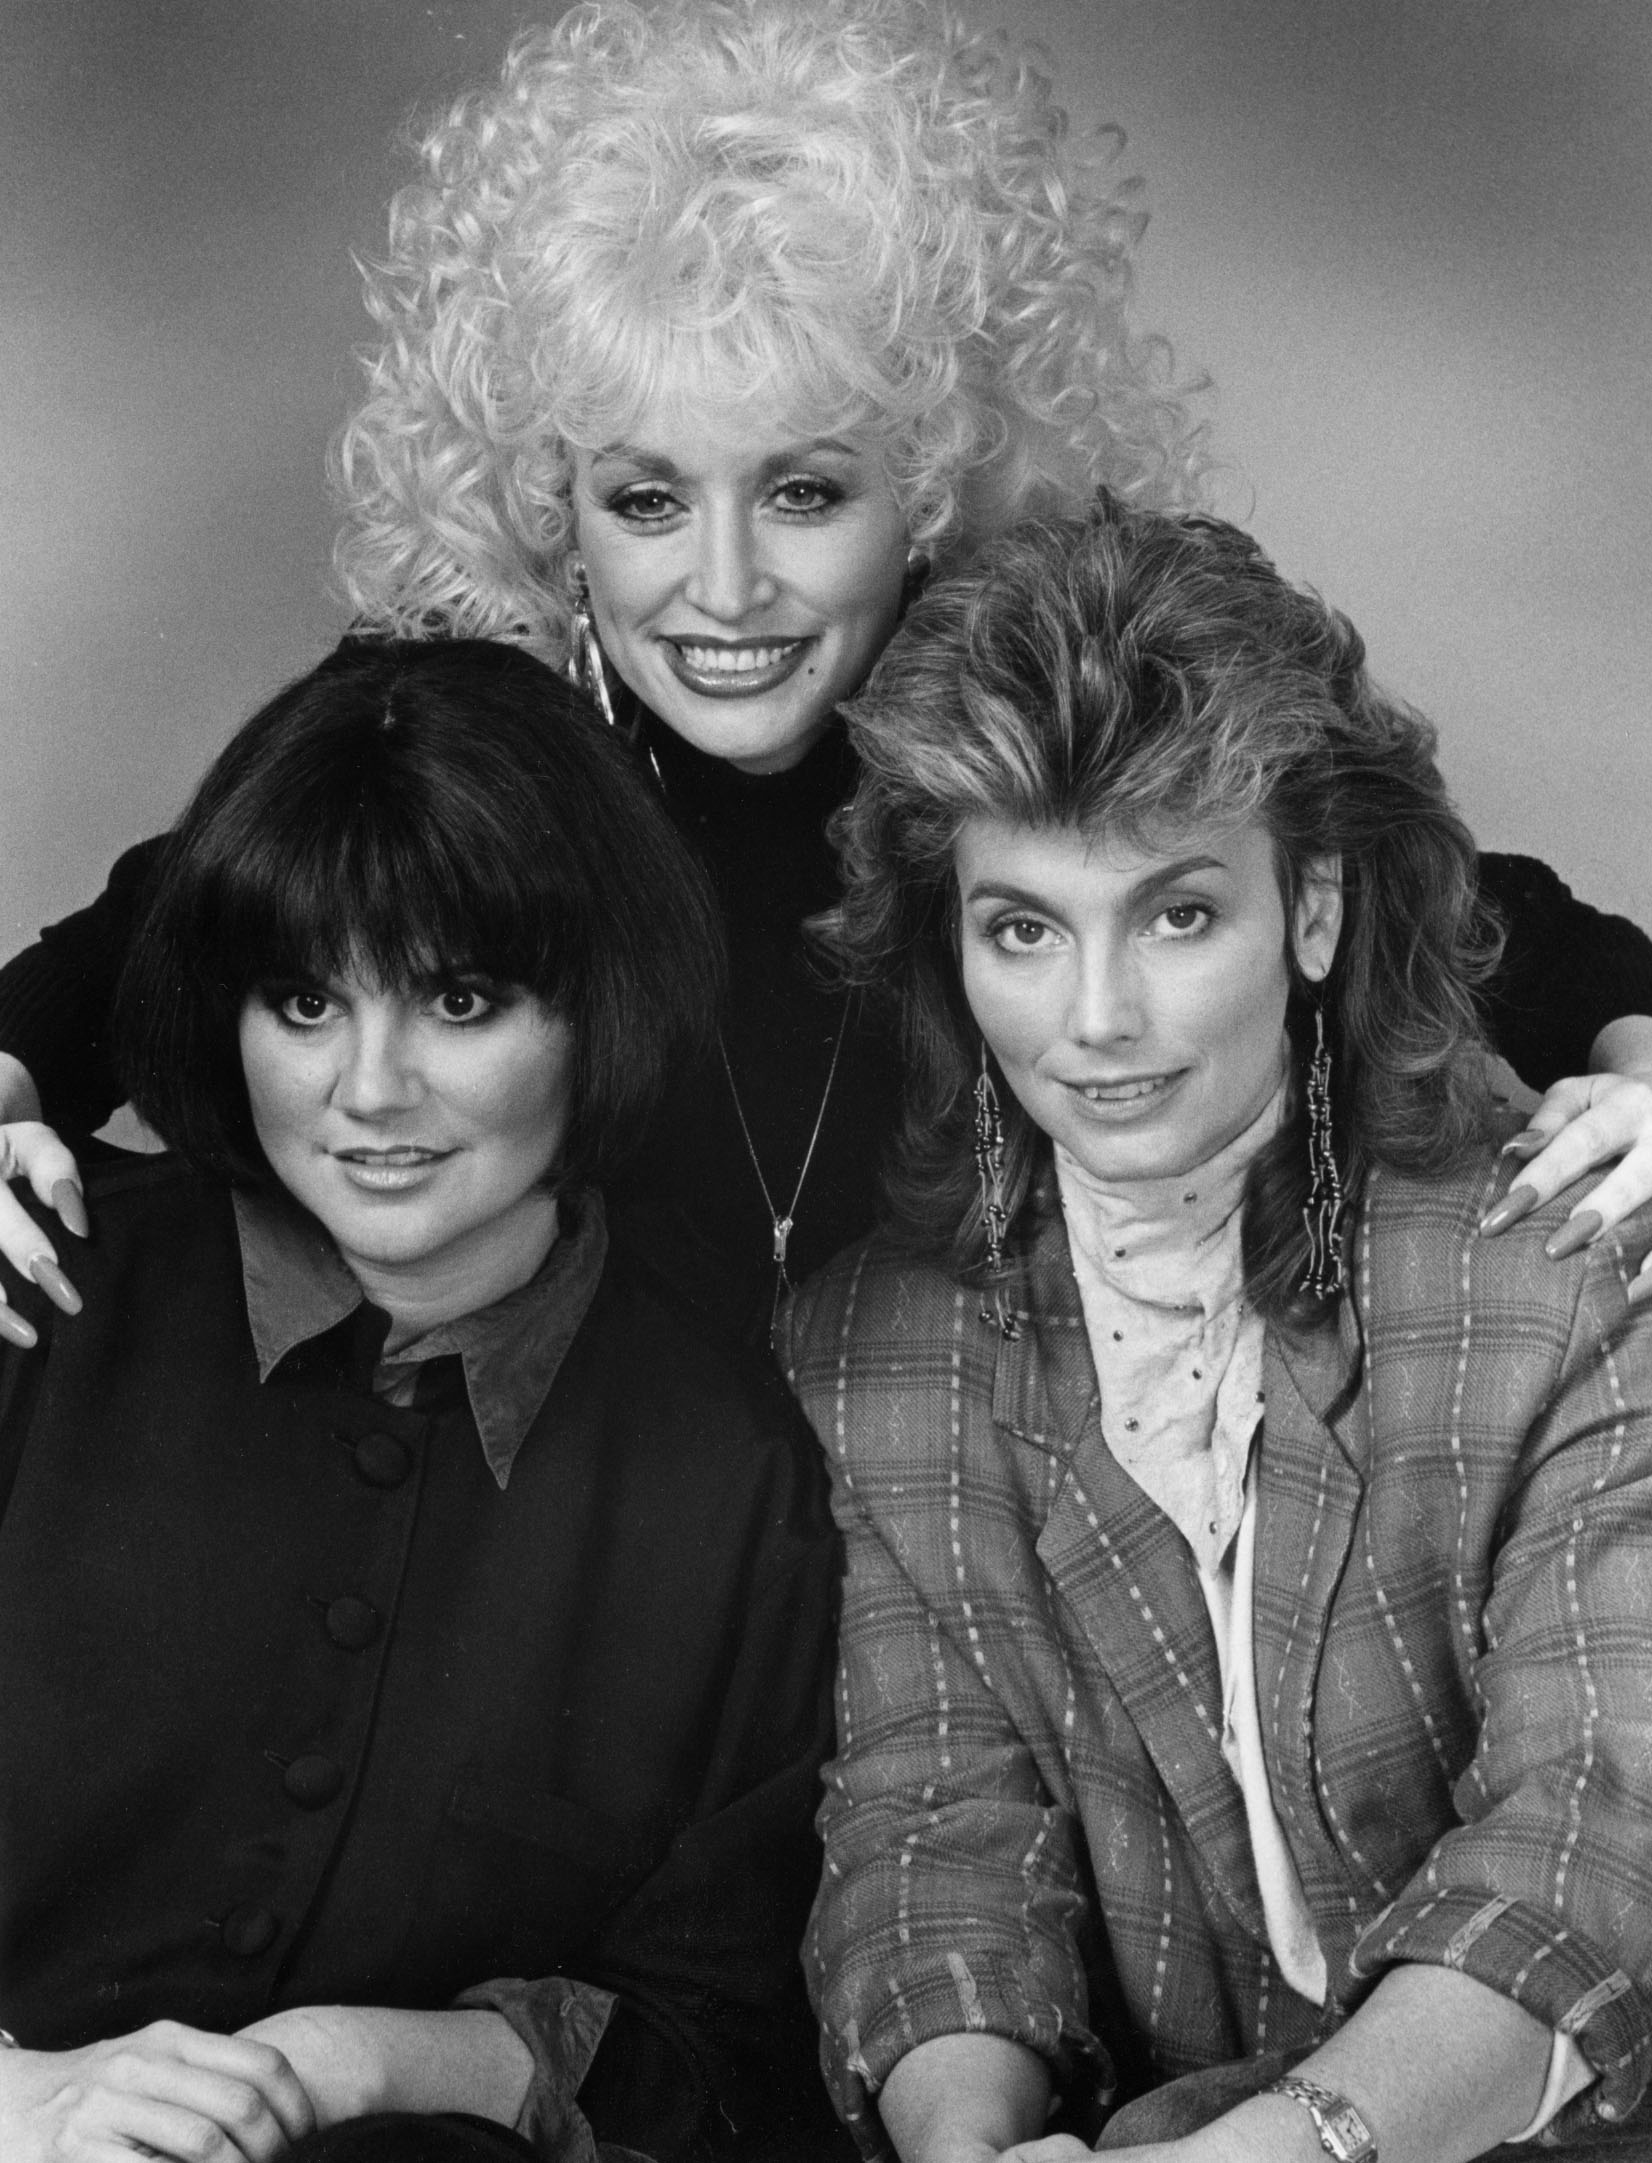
708 333
854 217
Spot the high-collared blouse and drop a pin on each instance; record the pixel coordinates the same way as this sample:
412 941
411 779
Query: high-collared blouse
1030 1826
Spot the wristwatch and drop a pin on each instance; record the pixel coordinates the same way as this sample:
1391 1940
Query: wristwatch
1343 2133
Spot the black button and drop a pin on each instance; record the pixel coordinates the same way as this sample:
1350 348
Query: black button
353 1623
249 1930
382 1461
312 1782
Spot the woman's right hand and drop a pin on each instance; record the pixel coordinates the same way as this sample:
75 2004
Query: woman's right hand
180 2093
31 1151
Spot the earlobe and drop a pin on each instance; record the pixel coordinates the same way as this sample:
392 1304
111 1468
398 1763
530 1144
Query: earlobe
1318 924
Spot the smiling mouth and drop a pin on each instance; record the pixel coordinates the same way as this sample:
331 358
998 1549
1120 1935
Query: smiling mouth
388 1171
734 668
1139 1089
403 1153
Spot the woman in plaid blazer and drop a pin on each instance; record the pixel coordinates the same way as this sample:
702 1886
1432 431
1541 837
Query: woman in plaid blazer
1247 1643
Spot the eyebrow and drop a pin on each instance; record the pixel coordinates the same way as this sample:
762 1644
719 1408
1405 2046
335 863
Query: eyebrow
1184 867
989 889
659 467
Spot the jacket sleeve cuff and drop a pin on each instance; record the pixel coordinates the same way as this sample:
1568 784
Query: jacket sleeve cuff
1556 1974
562 2023
953 1999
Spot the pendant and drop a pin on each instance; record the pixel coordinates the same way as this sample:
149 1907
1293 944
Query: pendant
782 1233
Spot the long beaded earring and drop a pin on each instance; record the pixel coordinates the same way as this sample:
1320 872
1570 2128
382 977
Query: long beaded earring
989 1166
1327 1272
586 669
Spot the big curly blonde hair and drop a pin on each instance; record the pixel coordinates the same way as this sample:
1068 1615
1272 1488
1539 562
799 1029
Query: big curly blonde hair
859 208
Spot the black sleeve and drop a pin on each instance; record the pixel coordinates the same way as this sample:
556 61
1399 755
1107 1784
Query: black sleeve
20 1371
57 998
1567 970
712 2050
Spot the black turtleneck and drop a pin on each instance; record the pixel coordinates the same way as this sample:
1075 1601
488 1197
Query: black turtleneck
762 839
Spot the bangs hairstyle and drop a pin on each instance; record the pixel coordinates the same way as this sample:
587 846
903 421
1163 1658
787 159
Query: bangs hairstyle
857 208
421 812
1139 674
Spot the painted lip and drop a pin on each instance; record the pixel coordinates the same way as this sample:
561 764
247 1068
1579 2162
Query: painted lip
1124 1096
389 1171
734 667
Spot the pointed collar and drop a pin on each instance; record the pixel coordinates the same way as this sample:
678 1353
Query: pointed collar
298 1287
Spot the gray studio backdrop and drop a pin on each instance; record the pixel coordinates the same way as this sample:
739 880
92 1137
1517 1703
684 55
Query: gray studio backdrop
1408 240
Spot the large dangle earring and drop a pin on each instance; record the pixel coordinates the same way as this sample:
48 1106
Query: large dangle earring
989 1166
1327 1272
586 669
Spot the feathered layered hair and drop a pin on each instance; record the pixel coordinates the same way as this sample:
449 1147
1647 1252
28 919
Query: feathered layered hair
856 207
1141 674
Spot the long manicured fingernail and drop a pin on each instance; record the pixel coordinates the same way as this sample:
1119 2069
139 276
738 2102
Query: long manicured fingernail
16 1331
1525 1144
1517 1203
1576 1232
55 1284
1640 1291
70 1205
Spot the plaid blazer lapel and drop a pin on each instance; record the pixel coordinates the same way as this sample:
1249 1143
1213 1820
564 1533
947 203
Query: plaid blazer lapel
1126 1576
1316 1445
1127 1579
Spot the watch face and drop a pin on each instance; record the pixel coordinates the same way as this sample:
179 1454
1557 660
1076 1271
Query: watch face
1343 2133
1348 2135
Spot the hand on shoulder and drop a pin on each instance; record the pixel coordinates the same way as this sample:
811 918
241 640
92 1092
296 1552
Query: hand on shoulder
1581 1124
32 1152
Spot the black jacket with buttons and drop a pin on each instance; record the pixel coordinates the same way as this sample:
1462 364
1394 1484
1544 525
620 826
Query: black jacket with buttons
297 1706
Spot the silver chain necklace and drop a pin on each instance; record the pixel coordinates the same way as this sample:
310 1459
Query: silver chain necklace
585 668
782 1225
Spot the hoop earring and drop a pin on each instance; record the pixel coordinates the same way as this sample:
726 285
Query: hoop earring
1327 1272
585 667
989 1166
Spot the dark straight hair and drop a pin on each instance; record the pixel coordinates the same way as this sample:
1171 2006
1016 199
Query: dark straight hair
418 811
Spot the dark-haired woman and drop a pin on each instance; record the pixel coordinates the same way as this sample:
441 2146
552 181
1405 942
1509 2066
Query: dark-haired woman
414 1630
1244 1718
705 334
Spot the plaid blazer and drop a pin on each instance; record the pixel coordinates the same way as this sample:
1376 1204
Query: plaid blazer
1030 1828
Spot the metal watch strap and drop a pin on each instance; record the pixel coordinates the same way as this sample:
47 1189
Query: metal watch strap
1343 2133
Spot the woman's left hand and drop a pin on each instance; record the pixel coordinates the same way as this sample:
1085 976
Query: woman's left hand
1581 1123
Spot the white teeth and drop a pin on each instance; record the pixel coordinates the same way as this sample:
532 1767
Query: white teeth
736 660
1121 1092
